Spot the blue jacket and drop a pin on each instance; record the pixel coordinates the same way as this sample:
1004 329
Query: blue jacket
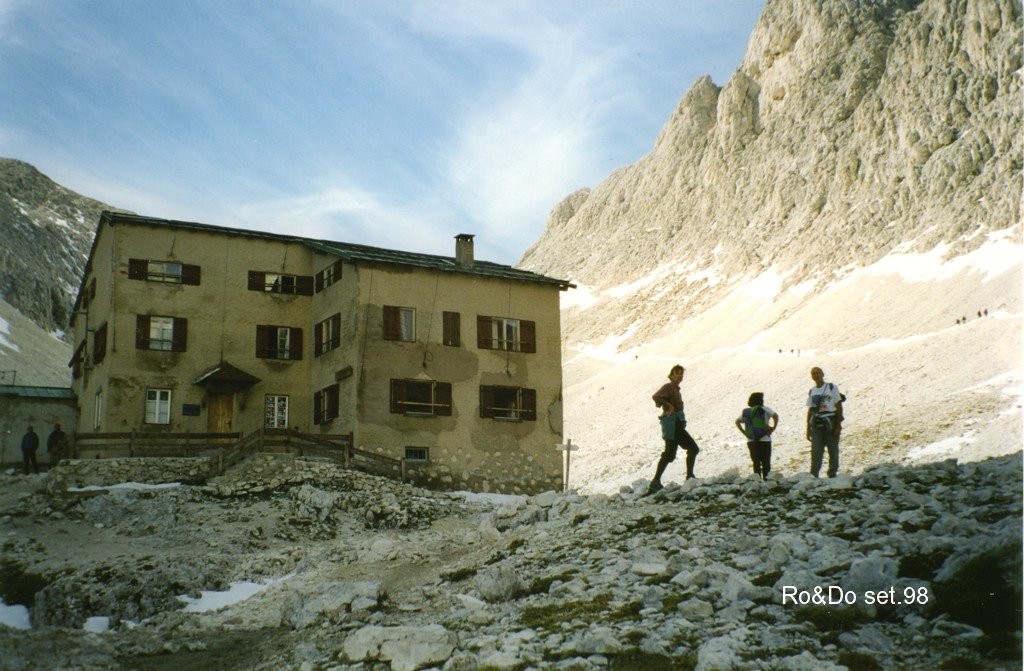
30 442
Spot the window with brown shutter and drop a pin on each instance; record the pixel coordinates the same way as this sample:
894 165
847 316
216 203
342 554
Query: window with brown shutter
99 344
283 343
508 403
161 333
328 276
278 283
77 359
452 336
421 397
137 269
325 404
169 272
399 323
327 334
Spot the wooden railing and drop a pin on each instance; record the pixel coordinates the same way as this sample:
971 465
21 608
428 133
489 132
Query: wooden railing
145 444
230 448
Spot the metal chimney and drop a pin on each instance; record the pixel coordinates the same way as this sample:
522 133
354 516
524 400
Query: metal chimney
464 249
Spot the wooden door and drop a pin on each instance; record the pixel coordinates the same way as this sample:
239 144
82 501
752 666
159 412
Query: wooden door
220 413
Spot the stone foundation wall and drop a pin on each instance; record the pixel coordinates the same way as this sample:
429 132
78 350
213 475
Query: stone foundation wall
148 470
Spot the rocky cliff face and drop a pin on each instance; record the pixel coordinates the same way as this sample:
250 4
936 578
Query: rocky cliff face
849 129
47 231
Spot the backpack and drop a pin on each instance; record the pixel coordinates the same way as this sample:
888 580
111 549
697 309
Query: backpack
841 403
756 421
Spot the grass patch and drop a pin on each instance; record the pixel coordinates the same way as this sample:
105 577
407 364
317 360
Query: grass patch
542 585
960 663
628 611
516 544
766 579
671 603
645 661
552 616
831 619
985 592
459 574
859 661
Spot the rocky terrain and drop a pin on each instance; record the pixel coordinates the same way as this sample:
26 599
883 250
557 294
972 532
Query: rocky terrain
897 568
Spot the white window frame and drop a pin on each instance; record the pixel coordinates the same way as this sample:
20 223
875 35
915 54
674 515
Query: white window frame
163 271
97 414
506 334
161 333
418 407
275 411
284 341
327 335
279 283
407 324
158 406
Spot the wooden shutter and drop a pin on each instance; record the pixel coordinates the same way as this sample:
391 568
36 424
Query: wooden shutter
92 290
141 331
443 399
257 281
486 401
527 336
528 404
483 333
452 329
397 396
336 330
332 401
179 336
392 323
318 283
99 344
265 341
318 339
318 417
138 269
295 344
190 274
304 285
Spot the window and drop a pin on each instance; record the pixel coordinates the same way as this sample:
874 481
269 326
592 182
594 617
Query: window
327 335
98 410
452 335
399 323
77 361
328 276
158 406
168 272
275 412
325 404
277 283
168 334
512 335
89 294
283 343
99 344
421 397
417 454
508 403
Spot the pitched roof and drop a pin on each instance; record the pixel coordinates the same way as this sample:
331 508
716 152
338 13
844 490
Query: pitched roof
26 391
351 252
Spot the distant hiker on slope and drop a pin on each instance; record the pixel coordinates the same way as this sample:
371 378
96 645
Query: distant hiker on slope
757 422
824 422
673 427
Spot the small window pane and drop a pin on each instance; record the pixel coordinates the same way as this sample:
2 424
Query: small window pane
408 324
283 342
161 333
505 333
163 271
158 406
276 412
417 454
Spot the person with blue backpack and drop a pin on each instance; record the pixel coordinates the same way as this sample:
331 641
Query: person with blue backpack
757 422
673 428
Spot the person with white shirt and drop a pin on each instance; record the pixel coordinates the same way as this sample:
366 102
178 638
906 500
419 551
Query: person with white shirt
824 422
757 422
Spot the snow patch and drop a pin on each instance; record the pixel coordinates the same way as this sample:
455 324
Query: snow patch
581 297
236 593
15 617
493 499
5 330
608 349
97 625
942 449
125 485
998 255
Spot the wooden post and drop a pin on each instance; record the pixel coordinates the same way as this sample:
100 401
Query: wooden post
568 447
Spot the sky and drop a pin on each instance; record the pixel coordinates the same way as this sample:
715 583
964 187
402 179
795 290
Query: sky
395 124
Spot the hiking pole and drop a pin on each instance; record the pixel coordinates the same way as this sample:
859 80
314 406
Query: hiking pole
878 431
